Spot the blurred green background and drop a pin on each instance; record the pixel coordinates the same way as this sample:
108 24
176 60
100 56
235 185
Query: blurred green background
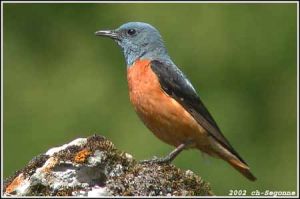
62 82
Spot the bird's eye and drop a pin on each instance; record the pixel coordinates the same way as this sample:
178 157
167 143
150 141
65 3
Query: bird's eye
131 31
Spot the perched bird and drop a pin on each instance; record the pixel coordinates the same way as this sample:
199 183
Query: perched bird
165 100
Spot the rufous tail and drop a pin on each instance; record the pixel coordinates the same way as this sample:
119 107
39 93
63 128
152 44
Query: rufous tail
241 167
230 156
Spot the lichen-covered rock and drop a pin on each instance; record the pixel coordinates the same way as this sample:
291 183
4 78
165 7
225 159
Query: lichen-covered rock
94 167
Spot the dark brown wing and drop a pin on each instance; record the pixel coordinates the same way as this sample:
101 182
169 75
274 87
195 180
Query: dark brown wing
176 85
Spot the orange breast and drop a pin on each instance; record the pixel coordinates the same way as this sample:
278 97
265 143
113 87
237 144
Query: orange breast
163 115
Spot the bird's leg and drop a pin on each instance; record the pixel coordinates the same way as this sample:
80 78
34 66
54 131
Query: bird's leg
169 158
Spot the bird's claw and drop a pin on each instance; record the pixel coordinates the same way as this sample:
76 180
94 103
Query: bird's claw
156 160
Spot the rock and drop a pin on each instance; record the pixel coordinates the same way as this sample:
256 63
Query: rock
94 167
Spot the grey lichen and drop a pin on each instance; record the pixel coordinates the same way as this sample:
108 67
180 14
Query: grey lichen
94 167
157 180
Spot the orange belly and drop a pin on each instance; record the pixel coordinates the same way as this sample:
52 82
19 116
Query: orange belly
163 115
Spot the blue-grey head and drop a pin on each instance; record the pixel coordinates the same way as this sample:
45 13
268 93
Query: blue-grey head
138 41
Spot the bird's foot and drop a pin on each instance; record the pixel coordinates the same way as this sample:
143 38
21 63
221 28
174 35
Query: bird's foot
168 159
164 160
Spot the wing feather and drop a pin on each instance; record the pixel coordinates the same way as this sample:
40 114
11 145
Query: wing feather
176 85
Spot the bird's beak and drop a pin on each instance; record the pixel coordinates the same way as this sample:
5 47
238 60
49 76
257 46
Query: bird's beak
108 33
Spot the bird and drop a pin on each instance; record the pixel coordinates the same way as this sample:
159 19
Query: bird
165 100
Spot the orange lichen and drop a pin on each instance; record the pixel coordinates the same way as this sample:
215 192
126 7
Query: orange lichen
50 163
15 183
81 156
